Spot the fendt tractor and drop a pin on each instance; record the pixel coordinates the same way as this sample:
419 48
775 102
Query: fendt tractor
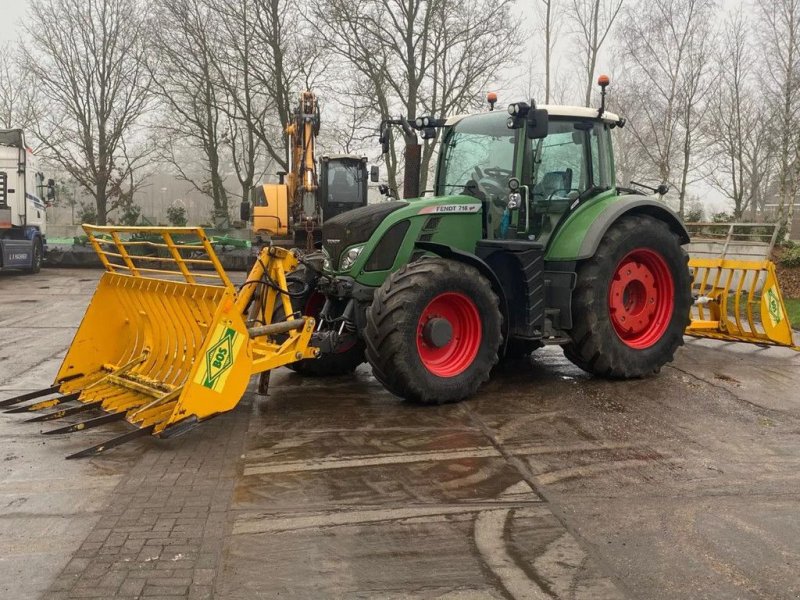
527 241
291 212
23 193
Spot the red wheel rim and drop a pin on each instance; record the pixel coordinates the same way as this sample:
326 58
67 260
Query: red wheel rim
641 298
314 304
457 354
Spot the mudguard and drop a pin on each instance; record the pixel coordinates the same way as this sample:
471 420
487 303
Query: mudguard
580 235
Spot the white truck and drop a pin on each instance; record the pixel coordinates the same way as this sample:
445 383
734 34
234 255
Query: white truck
23 194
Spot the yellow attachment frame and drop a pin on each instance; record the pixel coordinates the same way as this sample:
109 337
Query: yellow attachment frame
736 298
164 339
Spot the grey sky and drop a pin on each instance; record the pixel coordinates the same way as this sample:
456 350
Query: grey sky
11 14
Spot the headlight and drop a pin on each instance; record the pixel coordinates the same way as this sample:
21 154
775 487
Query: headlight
349 258
326 261
518 109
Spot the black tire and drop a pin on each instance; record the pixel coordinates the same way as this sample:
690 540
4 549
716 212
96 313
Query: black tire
327 364
425 291
38 257
643 250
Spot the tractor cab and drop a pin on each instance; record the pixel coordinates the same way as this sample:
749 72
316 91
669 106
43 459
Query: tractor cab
526 184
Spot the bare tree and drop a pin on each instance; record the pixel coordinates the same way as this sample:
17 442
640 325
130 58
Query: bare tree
186 82
696 85
630 162
92 76
593 20
420 55
16 91
248 103
779 36
550 13
287 55
738 125
343 127
664 48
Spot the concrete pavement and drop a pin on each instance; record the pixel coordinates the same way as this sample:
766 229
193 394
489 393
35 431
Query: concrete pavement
549 483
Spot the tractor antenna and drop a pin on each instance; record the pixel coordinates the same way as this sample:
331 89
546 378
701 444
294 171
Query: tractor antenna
491 98
603 82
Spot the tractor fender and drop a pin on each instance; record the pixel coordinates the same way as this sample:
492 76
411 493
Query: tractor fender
602 216
451 253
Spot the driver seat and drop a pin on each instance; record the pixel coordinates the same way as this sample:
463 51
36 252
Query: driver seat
554 181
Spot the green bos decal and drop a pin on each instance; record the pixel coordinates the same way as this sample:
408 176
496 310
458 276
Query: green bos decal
219 358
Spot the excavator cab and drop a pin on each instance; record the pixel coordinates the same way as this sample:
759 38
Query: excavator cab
343 184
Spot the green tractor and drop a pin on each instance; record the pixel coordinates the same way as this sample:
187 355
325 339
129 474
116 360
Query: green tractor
527 241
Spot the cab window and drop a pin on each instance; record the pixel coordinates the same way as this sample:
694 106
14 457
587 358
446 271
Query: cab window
561 167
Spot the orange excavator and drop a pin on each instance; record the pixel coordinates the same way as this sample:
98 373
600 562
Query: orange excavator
290 213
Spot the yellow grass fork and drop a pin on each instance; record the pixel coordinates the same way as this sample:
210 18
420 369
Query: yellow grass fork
736 293
164 343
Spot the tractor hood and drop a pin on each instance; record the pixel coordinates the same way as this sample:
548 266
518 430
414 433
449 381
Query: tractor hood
386 233
354 226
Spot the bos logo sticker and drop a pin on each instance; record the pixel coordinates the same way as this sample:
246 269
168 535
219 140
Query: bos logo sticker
774 307
218 359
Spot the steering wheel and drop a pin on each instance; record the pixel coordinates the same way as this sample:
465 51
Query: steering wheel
486 182
498 173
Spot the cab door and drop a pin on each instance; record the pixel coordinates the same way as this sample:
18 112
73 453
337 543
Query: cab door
561 170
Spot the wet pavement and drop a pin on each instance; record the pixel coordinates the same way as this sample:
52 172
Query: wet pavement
549 483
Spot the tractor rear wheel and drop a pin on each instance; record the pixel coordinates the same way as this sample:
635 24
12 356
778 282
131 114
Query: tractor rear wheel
433 331
631 303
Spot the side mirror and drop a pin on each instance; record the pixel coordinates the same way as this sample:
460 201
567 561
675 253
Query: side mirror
51 189
374 173
537 123
244 211
662 189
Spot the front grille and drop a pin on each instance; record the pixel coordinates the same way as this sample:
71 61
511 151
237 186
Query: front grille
354 226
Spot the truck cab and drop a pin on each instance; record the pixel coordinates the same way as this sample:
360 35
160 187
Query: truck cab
23 196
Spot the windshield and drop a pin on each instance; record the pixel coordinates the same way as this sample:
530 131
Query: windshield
344 182
11 137
478 156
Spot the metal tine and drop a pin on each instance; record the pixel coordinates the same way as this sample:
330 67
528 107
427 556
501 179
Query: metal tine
112 443
43 404
110 418
65 412
30 395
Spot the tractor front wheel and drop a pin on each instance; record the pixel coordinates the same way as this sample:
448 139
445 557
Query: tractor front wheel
631 303
308 301
433 331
